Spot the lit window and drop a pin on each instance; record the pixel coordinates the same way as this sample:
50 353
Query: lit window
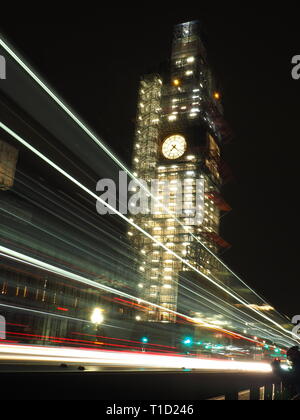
191 60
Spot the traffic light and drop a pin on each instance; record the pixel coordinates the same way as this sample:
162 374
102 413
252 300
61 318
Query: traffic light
187 341
145 340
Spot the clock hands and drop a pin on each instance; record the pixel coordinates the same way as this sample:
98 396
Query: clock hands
174 147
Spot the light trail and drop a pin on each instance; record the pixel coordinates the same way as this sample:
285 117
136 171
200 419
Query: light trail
124 359
5 252
231 315
185 262
240 320
100 143
18 308
8 253
124 344
66 220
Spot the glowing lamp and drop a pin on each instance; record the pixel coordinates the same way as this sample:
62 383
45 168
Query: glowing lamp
97 317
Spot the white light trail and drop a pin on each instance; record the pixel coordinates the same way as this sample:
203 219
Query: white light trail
125 359
122 216
16 256
229 311
71 114
18 308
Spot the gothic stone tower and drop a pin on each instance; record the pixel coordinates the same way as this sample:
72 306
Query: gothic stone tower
179 134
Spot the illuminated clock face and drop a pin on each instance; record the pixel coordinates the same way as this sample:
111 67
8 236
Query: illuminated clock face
174 147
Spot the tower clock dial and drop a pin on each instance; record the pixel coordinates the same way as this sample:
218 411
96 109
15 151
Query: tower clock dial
174 147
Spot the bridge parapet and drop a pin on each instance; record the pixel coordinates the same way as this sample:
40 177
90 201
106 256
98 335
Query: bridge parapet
140 386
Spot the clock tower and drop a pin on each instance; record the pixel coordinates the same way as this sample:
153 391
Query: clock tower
179 136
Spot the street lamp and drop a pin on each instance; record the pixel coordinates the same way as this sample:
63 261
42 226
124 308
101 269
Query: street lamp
97 317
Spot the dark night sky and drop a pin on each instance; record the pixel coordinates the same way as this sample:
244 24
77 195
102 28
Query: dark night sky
95 64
